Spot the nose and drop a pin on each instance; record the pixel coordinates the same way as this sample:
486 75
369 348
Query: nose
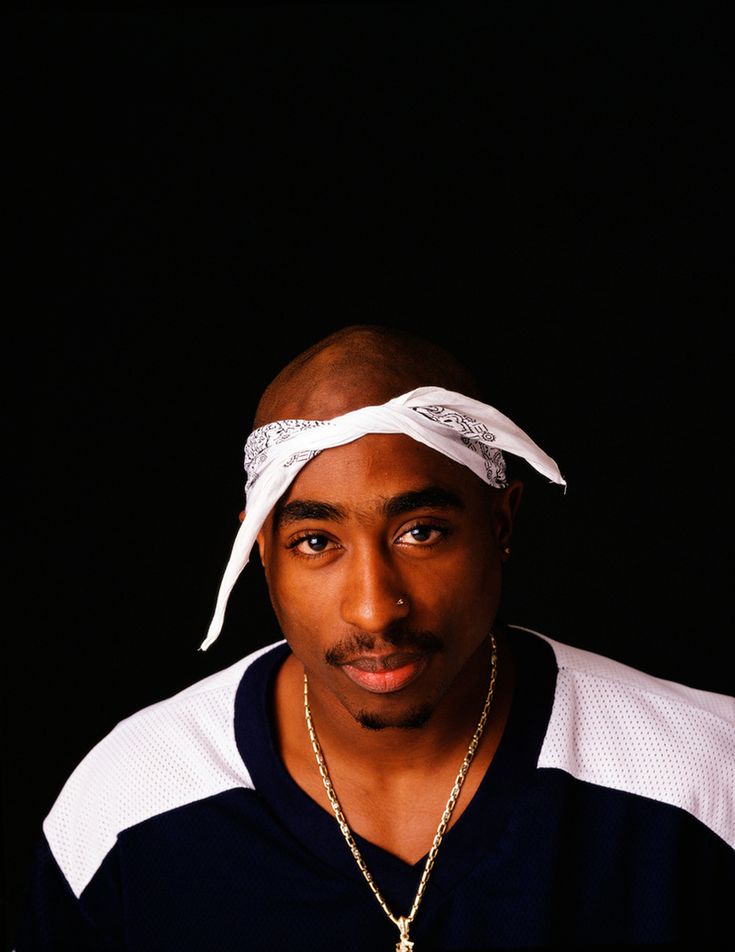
373 597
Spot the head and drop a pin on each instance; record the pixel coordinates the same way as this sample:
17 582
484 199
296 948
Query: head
357 366
383 558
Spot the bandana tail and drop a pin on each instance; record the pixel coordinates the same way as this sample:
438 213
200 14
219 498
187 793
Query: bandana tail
239 558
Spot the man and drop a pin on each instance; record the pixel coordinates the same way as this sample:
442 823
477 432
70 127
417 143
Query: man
405 770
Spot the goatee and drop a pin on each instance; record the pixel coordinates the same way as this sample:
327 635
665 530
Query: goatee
411 720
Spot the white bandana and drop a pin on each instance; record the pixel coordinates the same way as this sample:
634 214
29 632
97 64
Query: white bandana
465 430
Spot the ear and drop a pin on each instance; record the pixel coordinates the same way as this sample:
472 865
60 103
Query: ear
260 541
506 503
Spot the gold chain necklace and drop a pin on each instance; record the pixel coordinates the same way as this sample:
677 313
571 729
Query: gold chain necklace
403 922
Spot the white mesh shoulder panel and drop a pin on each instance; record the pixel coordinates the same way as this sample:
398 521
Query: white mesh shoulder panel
621 728
174 752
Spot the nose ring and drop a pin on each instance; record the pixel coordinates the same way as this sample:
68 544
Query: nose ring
401 601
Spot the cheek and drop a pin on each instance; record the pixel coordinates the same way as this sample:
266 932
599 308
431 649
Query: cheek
461 593
472 567
471 585
300 600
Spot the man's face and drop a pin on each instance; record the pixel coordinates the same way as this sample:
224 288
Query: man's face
366 524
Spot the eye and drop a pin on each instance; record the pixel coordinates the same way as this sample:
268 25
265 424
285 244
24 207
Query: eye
311 543
422 534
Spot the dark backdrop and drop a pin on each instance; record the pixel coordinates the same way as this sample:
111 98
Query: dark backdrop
194 196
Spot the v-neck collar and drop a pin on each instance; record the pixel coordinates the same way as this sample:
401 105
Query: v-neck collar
477 832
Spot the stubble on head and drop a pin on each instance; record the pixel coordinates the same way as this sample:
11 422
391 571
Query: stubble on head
356 366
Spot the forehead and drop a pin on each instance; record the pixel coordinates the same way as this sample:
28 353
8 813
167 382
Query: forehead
380 465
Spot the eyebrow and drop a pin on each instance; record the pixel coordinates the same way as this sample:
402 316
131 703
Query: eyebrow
431 497
300 509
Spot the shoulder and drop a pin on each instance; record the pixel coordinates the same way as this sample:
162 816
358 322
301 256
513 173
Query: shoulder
607 678
174 752
622 728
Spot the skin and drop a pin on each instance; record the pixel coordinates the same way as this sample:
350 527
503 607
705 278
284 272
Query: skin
395 689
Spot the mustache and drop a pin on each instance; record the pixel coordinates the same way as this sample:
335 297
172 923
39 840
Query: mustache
359 643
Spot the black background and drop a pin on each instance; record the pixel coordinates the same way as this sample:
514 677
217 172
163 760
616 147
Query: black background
192 196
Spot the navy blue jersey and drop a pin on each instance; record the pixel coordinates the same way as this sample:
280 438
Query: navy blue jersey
606 816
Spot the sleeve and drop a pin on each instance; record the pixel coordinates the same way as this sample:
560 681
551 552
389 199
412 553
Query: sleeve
53 919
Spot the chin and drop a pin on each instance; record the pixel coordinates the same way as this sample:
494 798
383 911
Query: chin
410 720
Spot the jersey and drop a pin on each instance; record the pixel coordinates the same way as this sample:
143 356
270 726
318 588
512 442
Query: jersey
607 816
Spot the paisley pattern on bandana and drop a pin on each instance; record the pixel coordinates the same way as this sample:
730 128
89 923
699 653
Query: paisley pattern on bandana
475 435
494 463
260 441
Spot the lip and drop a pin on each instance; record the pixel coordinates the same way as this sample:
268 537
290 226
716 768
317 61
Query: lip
384 675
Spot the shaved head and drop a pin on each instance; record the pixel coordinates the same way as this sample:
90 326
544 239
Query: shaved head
357 366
